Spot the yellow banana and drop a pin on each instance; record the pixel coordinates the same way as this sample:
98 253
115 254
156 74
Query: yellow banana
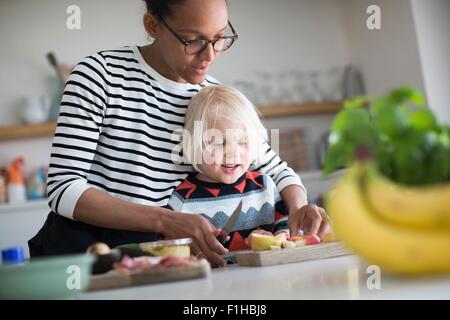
390 246
415 207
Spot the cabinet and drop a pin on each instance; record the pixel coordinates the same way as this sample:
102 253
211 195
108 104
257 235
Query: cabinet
20 222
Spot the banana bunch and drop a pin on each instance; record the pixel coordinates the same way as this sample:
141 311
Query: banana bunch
402 230
419 207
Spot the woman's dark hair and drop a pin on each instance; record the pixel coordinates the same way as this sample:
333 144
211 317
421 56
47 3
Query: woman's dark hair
162 8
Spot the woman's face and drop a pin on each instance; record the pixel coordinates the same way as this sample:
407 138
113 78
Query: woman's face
193 19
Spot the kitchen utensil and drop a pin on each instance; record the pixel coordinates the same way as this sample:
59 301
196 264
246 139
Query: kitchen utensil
230 224
54 63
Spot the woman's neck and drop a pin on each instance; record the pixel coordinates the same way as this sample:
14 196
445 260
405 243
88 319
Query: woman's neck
152 57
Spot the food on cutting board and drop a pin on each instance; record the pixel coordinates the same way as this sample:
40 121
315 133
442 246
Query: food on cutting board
99 248
142 256
163 248
105 257
261 242
127 264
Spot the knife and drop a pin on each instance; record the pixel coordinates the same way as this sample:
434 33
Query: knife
230 224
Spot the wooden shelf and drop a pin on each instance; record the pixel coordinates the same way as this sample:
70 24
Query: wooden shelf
274 111
27 131
270 111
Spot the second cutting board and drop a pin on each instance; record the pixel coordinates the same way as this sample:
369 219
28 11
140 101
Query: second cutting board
282 256
114 279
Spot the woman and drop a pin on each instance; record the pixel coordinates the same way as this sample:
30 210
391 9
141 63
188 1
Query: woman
111 170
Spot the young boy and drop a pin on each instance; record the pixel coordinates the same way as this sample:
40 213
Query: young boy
222 136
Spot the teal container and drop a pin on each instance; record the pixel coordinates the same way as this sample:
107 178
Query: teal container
58 277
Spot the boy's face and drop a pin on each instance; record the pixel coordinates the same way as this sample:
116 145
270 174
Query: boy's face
226 157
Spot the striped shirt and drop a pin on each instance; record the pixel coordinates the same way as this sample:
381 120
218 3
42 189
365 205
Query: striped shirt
116 129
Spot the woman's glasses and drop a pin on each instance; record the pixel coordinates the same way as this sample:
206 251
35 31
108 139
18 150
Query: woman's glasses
192 47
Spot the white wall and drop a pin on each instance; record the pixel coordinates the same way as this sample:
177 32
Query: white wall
387 57
434 49
31 28
283 35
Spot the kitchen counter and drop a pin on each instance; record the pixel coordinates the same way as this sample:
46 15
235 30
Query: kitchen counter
335 278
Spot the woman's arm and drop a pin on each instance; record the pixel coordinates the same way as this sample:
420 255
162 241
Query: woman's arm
76 137
101 209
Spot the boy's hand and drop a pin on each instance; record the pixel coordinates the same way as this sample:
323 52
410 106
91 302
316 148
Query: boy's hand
311 219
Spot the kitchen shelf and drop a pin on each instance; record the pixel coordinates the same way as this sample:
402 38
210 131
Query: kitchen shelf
295 109
269 111
27 131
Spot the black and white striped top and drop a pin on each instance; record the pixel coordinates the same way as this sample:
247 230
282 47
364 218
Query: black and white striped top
115 130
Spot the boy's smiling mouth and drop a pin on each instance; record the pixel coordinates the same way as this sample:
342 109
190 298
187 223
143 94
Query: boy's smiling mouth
230 165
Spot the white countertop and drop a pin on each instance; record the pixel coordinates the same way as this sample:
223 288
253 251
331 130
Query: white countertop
335 278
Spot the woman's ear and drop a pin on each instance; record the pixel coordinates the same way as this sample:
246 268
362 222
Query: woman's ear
151 25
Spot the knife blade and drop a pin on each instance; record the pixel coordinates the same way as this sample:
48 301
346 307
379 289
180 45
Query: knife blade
230 224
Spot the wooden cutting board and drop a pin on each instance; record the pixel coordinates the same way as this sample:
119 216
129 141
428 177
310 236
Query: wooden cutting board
113 279
282 256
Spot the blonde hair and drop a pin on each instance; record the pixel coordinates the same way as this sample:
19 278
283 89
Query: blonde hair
219 103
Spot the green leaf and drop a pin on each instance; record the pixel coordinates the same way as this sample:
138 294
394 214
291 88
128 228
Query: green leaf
409 145
406 93
391 120
348 119
423 120
338 155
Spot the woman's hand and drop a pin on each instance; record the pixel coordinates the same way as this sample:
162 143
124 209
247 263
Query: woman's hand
311 219
203 233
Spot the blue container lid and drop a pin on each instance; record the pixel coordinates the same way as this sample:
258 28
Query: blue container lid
13 255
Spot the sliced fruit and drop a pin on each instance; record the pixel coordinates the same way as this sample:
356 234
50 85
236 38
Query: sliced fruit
178 251
260 242
329 237
279 239
312 239
289 244
272 247
297 238
299 243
